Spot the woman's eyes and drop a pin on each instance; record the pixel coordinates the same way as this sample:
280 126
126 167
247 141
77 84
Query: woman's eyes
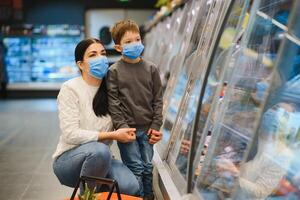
94 54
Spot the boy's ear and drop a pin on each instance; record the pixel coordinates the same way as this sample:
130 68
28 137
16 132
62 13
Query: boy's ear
118 48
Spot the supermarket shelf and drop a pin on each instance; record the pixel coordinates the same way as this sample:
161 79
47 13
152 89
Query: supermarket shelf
162 16
293 39
255 55
247 138
34 86
276 23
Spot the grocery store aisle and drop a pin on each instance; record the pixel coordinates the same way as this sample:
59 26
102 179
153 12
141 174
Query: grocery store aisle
28 136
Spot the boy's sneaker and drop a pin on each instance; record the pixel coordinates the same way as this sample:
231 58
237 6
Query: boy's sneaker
151 197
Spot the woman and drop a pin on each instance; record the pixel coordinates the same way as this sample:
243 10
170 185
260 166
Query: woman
83 148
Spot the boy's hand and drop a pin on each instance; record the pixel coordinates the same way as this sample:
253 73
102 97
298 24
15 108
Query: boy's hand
150 132
154 136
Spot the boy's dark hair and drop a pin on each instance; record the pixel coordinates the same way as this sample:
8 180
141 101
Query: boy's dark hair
100 101
121 27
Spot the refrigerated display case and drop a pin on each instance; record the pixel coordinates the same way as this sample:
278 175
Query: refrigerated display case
179 46
43 57
193 64
249 152
178 156
18 58
162 50
188 80
160 40
235 127
176 84
57 63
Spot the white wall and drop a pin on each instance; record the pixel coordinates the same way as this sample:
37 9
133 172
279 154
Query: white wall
95 19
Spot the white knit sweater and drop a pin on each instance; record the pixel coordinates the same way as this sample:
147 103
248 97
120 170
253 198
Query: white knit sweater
78 122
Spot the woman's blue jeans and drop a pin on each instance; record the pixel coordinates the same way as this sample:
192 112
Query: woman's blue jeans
94 159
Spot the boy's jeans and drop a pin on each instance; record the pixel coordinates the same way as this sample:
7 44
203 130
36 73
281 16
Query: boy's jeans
137 156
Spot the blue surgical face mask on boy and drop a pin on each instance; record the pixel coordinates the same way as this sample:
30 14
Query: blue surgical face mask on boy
133 50
98 67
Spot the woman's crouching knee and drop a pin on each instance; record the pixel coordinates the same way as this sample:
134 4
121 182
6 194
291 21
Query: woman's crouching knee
131 188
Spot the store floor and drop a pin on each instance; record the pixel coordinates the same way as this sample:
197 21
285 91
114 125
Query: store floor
29 133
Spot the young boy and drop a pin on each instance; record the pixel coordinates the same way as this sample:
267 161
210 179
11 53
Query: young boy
135 100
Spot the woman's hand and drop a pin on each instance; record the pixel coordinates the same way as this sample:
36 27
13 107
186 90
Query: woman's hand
125 135
155 136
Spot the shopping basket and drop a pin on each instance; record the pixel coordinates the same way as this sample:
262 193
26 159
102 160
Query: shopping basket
111 195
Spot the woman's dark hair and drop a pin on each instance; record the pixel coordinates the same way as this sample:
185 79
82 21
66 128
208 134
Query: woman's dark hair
100 101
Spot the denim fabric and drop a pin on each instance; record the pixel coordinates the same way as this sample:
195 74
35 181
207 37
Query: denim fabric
94 159
137 156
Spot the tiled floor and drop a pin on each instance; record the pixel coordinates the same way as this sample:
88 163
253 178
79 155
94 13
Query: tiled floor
28 136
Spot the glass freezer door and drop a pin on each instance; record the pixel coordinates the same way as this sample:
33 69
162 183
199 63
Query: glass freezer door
177 46
179 77
271 171
236 119
193 67
215 87
187 88
160 48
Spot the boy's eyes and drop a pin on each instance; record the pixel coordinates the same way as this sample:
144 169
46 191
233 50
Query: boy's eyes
129 41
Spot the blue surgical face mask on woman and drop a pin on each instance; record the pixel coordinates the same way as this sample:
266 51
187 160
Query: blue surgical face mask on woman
133 50
98 67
